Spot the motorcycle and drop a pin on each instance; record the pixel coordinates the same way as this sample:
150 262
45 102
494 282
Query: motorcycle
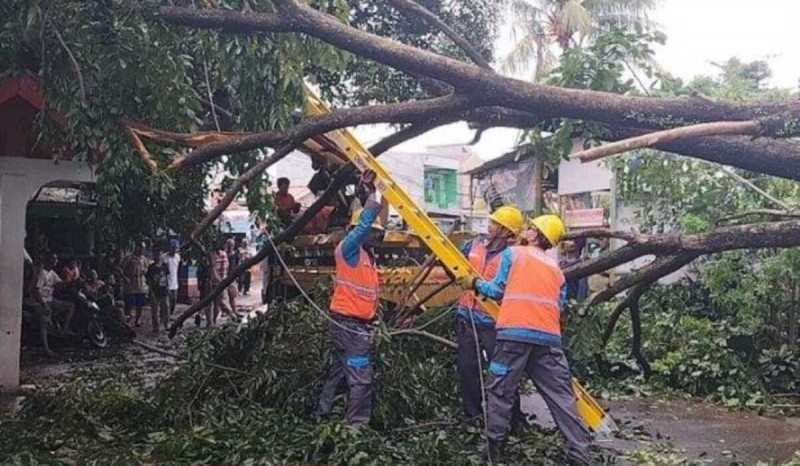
112 318
87 321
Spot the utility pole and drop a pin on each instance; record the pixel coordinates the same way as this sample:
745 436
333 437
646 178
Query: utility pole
538 188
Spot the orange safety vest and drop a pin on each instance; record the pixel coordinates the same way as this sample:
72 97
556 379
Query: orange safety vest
477 258
530 305
355 290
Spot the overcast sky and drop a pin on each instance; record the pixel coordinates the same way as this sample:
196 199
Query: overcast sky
698 32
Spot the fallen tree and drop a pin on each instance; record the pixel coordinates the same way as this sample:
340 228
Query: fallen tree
742 135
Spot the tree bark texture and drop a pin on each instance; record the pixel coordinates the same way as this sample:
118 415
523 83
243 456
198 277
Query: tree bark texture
492 89
485 88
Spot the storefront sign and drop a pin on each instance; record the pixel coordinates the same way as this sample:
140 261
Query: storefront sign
584 218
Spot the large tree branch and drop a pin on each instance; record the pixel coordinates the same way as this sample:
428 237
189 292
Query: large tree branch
756 235
406 112
777 157
649 274
605 233
772 156
661 137
498 90
412 8
634 294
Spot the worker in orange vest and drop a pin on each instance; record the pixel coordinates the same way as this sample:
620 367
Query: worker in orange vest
352 308
533 290
474 327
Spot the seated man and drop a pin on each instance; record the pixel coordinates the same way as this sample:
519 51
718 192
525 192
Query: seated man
284 202
47 282
70 272
94 285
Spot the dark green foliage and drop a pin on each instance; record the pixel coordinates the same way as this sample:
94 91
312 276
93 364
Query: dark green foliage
696 344
365 82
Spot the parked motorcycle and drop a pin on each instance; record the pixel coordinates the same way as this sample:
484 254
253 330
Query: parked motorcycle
112 318
87 322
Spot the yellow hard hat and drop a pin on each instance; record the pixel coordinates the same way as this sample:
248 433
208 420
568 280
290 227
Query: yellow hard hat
357 215
508 217
550 226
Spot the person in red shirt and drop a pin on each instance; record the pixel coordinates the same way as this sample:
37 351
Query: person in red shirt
284 202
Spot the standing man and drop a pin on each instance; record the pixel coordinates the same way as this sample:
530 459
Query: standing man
173 261
134 283
246 277
233 262
353 305
47 282
484 255
158 281
261 242
32 299
218 269
533 290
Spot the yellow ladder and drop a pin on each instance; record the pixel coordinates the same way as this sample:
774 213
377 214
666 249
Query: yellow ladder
438 242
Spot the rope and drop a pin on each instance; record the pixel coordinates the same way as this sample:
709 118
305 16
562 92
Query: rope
326 314
483 388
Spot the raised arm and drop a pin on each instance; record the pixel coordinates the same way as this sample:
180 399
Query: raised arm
351 245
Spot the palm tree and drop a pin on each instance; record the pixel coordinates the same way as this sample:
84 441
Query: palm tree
538 24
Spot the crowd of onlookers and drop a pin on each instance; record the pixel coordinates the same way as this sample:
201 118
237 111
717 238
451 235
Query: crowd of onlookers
130 281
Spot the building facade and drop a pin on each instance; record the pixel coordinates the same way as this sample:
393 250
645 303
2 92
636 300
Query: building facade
436 179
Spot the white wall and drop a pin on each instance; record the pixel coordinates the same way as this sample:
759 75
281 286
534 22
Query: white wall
20 178
408 170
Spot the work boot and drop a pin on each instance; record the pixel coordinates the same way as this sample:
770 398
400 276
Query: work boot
472 424
493 452
519 424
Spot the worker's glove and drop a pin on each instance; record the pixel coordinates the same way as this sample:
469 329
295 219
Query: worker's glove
467 282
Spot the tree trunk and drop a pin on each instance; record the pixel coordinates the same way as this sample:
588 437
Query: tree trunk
792 315
538 186
636 342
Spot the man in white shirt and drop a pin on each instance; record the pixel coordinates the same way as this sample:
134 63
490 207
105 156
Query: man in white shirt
173 261
47 282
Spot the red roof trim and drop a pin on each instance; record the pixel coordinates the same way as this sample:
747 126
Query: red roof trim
24 86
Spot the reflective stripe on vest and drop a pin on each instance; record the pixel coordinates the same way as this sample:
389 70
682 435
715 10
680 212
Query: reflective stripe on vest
477 258
362 290
355 289
531 298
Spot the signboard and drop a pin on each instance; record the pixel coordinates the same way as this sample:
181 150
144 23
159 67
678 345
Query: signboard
584 218
512 183
577 177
